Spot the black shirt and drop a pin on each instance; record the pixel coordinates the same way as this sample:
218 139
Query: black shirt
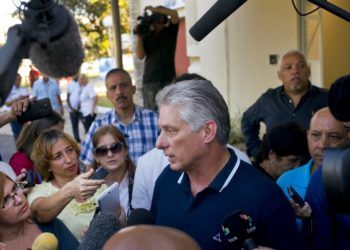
160 54
274 107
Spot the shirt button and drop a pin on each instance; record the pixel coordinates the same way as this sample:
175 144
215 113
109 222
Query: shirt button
293 114
290 101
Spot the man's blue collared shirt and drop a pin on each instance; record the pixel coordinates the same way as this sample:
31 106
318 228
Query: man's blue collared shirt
49 89
140 134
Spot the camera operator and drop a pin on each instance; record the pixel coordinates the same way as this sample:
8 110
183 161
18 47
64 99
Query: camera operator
156 37
330 229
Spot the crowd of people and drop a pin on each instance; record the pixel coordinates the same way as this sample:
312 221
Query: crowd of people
172 161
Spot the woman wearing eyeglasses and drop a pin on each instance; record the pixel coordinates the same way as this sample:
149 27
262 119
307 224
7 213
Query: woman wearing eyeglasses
111 153
17 230
63 193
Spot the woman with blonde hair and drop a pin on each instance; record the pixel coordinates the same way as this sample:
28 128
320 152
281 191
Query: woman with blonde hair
63 193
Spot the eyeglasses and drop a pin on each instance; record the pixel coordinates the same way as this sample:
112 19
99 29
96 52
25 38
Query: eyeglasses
115 148
9 199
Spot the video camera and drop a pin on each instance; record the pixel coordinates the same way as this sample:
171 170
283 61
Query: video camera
336 162
144 22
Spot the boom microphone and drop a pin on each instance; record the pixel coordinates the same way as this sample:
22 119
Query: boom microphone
238 229
45 241
58 50
324 4
48 35
101 228
213 17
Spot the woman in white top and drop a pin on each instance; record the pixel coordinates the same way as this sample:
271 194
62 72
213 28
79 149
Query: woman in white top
111 153
88 101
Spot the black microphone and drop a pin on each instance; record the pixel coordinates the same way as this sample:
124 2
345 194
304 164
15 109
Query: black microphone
238 229
140 216
324 4
101 228
213 17
57 51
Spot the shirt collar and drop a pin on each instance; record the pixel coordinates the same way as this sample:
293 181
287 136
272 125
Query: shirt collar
137 116
280 89
224 177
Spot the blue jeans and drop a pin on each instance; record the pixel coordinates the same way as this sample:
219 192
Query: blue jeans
16 128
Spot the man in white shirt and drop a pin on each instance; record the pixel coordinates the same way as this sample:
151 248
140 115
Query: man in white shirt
73 102
88 101
17 93
46 87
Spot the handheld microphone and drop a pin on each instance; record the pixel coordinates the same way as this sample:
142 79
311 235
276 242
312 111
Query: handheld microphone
46 241
140 216
238 229
101 228
213 17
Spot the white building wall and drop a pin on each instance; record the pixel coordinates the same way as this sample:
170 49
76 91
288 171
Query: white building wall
235 55
256 30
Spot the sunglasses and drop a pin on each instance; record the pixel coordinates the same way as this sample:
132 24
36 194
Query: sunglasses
115 148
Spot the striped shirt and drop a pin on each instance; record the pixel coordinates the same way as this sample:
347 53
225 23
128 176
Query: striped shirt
141 134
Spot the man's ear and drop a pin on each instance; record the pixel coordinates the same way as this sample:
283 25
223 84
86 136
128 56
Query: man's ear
209 131
272 155
279 75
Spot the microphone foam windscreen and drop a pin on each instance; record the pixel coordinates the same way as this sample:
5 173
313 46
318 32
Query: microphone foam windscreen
45 241
140 216
101 228
63 56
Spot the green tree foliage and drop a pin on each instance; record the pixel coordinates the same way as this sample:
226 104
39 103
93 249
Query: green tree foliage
90 14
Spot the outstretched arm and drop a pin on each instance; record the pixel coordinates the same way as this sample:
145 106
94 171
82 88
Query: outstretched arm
45 209
17 108
174 16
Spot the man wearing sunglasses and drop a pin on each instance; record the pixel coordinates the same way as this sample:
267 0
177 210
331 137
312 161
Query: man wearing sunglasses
138 125
158 46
